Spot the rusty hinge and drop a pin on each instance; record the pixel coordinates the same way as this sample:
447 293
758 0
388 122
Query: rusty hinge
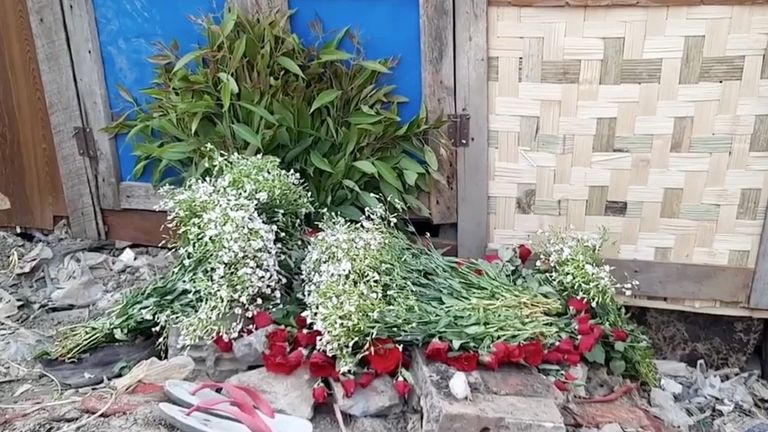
86 145
458 129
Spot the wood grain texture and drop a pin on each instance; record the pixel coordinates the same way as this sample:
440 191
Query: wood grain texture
80 20
139 196
471 97
77 176
437 80
700 282
142 227
29 177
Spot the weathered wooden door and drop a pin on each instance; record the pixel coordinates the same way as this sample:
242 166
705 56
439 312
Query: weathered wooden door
31 192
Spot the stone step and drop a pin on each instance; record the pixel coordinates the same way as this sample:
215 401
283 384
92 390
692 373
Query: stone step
510 399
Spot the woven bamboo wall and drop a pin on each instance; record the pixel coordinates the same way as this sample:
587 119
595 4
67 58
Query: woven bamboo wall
650 122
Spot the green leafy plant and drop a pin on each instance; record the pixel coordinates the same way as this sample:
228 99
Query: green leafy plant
255 89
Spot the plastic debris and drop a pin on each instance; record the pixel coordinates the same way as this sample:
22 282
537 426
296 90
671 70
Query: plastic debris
459 386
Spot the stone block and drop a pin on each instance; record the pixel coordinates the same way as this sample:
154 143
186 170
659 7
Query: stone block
378 399
508 400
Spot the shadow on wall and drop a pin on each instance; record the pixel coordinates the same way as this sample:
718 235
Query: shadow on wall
127 29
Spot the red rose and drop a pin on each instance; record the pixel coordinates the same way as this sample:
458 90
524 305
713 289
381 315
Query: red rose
277 336
569 377
223 343
366 379
319 393
584 318
384 356
584 329
566 346
588 342
492 258
554 357
262 319
402 387
524 252
306 339
322 366
514 353
533 353
501 350
620 335
348 385
463 361
578 305
437 350
312 233
282 364
572 359
479 272
301 321
491 361
278 349
560 384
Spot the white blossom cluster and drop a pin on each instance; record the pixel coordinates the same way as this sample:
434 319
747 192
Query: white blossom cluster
346 281
227 230
573 261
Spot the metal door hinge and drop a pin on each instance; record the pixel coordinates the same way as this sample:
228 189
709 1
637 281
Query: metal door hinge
86 145
458 129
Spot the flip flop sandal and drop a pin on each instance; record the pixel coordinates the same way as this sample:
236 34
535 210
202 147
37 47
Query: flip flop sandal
187 394
202 422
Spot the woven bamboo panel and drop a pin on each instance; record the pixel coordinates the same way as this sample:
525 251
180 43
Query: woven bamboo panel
649 122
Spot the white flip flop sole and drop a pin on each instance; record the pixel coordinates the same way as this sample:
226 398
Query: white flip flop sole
180 393
197 422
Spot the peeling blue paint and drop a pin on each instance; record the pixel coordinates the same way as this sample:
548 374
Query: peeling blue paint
128 28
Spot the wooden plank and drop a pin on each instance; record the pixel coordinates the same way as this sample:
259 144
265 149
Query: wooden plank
437 81
80 20
734 310
701 282
758 298
139 196
472 98
29 176
62 101
136 226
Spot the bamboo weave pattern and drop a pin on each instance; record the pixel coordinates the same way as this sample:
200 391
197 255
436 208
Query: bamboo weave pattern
650 122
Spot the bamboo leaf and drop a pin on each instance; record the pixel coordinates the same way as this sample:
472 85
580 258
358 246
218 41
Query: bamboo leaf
415 204
247 134
333 55
125 94
374 66
186 59
388 174
320 161
410 177
366 167
325 98
350 184
291 66
431 159
409 164
263 113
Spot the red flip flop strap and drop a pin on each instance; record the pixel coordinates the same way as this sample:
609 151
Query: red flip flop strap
238 391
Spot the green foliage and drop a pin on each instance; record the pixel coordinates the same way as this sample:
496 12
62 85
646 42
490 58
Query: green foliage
255 89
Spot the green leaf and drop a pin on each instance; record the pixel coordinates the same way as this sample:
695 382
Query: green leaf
263 113
325 98
239 50
388 174
320 161
360 117
374 66
409 164
367 199
366 167
125 94
350 184
291 66
350 212
226 94
617 366
410 177
431 159
333 44
248 134
456 344
597 355
416 205
620 346
186 59
333 55
291 155
229 22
